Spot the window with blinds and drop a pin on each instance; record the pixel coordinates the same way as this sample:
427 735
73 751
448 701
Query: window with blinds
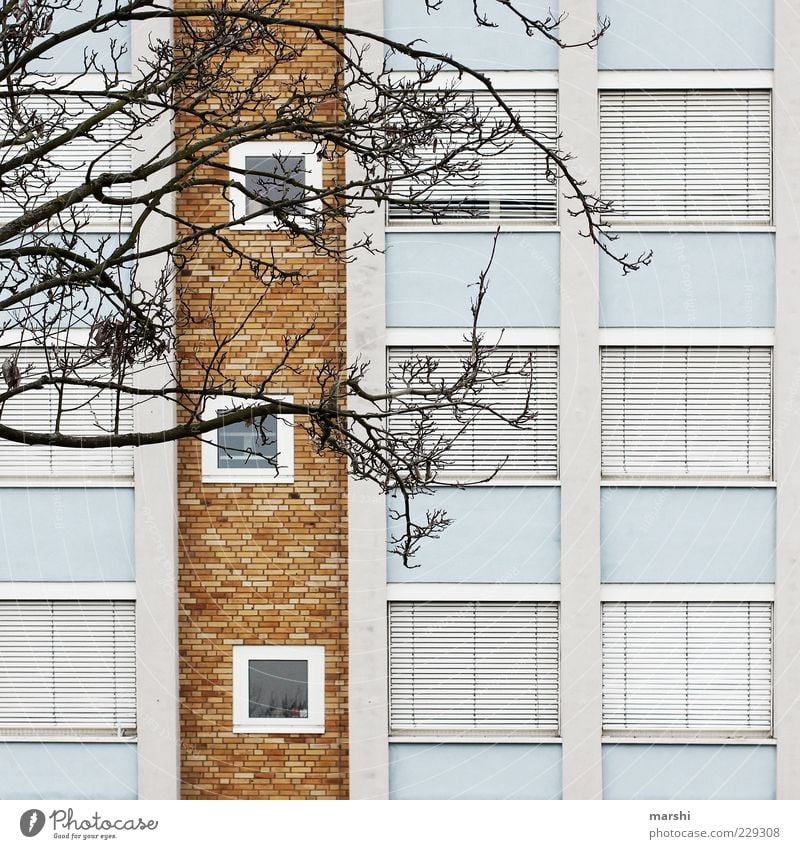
510 178
690 155
104 150
67 665
687 411
473 666
480 442
704 666
85 411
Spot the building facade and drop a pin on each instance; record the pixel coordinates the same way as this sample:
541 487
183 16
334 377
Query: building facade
263 556
615 614
88 603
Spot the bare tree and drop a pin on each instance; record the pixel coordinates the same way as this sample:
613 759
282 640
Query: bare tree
83 329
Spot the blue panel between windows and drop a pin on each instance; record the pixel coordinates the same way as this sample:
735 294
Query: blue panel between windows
68 57
694 280
687 535
504 535
429 277
637 771
68 770
687 34
452 30
68 534
474 771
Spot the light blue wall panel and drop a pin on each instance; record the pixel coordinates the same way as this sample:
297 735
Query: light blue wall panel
474 771
688 772
720 34
68 771
452 30
694 280
686 535
498 535
428 277
82 308
67 534
68 57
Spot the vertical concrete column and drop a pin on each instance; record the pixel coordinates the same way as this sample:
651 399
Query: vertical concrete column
786 179
366 340
156 526
579 420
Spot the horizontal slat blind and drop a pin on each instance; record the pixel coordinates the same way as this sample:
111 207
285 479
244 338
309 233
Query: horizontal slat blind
687 665
486 442
85 413
698 155
67 168
511 180
678 411
67 664
473 665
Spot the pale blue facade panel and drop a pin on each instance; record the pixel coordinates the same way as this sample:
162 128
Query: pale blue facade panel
632 771
66 534
452 30
474 771
694 280
687 34
687 535
428 277
68 56
498 535
68 771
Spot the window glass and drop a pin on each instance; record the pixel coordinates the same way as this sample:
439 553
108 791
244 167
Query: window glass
247 445
274 189
278 689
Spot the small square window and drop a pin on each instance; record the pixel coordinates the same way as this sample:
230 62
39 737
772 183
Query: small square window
279 689
278 172
257 451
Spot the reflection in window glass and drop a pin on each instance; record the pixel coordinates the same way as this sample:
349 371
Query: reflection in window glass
246 445
259 181
278 688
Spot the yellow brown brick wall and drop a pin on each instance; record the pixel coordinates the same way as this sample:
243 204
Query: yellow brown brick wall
262 564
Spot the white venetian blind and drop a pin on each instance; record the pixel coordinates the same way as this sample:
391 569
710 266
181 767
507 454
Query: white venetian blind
483 442
67 664
697 155
473 665
511 179
682 411
85 412
104 149
687 665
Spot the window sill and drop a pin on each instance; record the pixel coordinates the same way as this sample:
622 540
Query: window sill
686 483
252 478
538 739
474 225
278 730
667 225
685 739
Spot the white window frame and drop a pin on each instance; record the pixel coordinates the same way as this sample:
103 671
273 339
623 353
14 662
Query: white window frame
284 431
49 591
693 80
692 593
466 592
117 474
314 723
238 199
453 338
504 82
